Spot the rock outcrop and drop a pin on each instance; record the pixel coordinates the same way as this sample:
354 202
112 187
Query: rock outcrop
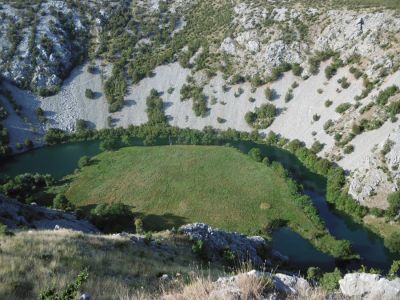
370 287
15 215
217 241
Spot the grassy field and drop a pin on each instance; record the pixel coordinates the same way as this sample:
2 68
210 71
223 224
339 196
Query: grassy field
173 185
118 268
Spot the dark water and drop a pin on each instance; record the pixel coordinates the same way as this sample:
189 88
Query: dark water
61 160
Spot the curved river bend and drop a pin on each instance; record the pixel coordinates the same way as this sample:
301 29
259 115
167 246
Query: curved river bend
61 160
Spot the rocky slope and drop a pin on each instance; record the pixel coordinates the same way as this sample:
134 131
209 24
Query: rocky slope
342 60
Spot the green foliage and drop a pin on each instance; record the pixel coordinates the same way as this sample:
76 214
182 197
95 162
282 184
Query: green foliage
269 94
262 117
4 231
199 248
384 95
191 91
317 147
315 61
69 293
394 205
139 225
392 242
356 72
344 83
331 70
40 115
278 72
342 108
89 94
109 144
115 88
330 281
61 202
114 217
255 153
348 149
314 274
229 257
289 95
155 109
297 69
84 161
394 269
27 187
81 125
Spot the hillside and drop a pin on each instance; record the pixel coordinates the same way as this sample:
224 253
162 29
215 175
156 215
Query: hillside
326 68
173 185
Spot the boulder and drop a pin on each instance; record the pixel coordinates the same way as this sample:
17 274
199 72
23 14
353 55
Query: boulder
217 241
370 287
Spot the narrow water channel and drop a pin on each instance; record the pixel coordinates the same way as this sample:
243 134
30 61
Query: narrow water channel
61 160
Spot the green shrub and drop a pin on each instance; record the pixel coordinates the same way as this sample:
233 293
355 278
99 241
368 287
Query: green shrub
330 281
348 149
69 293
384 95
262 117
109 144
394 205
61 202
269 94
84 161
199 249
155 109
289 95
81 125
4 231
328 103
89 94
317 147
314 274
255 154
392 242
342 108
114 217
344 83
297 69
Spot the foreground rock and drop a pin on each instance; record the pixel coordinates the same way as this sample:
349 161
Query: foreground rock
217 241
370 287
15 214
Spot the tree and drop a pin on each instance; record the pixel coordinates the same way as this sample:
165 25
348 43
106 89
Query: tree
139 225
28 144
83 161
89 94
114 217
394 204
69 293
81 125
330 281
61 202
255 153
109 144
393 242
269 94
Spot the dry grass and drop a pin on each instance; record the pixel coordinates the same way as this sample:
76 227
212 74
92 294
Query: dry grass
33 261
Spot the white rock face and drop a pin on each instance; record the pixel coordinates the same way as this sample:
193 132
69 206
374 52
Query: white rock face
370 287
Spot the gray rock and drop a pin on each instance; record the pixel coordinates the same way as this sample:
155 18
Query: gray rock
290 284
217 241
370 287
85 297
15 214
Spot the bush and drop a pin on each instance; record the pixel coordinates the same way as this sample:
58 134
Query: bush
342 108
89 94
114 217
289 95
348 149
269 94
317 147
84 161
384 95
200 250
155 109
316 117
262 117
255 154
394 205
297 69
328 103
109 144
392 243
70 292
330 281
4 231
344 83
61 202
28 144
81 125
